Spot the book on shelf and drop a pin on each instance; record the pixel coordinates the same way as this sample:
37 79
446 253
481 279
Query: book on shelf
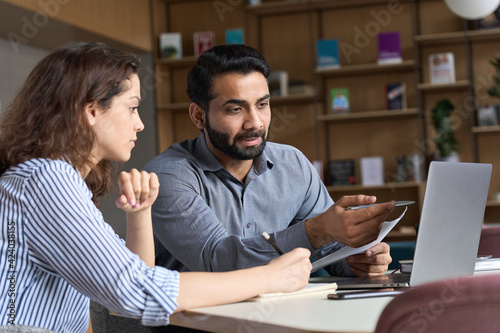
442 68
203 40
389 48
278 83
341 172
327 51
234 36
487 115
339 101
171 45
372 170
395 96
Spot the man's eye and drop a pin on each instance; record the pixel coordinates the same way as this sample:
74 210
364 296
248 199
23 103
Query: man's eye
134 109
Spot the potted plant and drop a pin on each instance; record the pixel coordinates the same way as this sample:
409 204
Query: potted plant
446 142
495 90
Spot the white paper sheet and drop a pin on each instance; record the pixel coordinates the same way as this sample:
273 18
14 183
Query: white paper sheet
347 251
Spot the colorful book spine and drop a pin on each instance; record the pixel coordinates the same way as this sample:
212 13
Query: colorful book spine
327 53
389 48
171 45
203 40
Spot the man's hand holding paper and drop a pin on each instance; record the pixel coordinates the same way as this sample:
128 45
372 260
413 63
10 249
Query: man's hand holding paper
369 259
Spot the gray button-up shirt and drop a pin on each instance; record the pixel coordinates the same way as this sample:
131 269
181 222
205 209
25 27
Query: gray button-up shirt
205 219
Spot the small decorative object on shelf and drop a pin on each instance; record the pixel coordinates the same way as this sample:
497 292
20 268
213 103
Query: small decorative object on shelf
389 48
341 172
489 22
395 96
442 68
171 45
327 53
447 144
278 83
494 91
404 169
487 115
203 40
340 100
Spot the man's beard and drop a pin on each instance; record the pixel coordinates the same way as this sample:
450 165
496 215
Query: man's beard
221 141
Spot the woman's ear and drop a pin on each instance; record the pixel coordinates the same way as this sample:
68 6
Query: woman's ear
91 113
197 115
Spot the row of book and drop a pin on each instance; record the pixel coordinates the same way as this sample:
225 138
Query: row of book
441 65
171 42
394 94
372 172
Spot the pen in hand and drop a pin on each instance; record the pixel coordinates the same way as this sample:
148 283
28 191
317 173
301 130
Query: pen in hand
267 238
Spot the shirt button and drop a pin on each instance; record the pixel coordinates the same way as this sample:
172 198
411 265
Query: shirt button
248 225
140 277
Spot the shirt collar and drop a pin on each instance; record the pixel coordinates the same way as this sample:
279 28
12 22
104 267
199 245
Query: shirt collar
209 162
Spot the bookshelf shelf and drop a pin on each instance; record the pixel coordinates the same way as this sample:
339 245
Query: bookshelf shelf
441 38
386 186
430 87
485 35
336 4
493 203
369 115
486 129
279 7
366 69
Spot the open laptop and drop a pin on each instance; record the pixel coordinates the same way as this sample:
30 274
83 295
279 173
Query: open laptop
449 229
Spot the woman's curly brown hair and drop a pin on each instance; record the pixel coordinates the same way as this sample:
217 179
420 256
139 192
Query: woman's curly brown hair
47 120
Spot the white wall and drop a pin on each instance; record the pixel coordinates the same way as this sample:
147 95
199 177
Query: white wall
15 67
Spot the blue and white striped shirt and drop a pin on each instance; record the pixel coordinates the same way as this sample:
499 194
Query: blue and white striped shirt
56 252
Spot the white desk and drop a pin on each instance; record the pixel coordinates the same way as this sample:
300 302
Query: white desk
307 313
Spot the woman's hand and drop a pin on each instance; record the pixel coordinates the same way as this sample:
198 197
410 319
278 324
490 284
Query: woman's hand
138 190
290 271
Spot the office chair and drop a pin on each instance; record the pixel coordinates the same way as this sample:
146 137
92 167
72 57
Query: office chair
489 243
459 305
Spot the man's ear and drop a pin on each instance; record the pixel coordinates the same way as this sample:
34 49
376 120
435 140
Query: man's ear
197 115
91 113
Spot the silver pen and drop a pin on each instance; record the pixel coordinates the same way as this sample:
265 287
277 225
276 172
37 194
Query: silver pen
396 204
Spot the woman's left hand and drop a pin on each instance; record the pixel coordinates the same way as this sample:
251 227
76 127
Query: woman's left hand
138 190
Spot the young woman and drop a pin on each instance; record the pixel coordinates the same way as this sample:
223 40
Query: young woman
77 113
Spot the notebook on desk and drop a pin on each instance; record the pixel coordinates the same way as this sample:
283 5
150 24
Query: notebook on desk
449 229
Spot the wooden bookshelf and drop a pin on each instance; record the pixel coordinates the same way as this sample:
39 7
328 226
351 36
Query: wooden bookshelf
369 115
365 69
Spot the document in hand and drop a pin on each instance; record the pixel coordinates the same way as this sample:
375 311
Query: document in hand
348 251
310 289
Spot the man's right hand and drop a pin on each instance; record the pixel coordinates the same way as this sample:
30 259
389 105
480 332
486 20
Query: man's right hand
354 228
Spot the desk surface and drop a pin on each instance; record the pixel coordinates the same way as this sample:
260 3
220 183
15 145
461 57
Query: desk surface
307 313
